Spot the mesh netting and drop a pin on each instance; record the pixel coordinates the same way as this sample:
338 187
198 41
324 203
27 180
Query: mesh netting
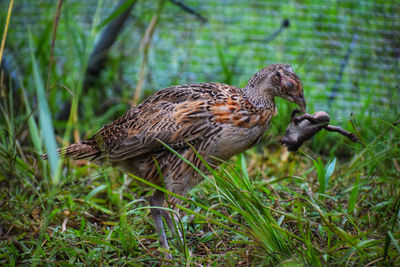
346 52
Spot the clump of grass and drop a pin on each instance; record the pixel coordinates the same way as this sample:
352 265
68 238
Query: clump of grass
236 193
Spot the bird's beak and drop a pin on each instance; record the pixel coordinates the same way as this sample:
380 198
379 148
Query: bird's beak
299 100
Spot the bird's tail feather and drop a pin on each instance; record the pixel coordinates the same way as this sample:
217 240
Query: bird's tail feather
77 151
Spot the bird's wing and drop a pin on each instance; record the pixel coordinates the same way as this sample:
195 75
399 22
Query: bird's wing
177 116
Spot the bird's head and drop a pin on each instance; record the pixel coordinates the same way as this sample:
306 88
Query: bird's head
290 87
279 80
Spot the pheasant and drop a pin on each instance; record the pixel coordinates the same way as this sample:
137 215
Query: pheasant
307 125
214 119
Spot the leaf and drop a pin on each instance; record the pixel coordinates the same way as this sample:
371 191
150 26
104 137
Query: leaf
320 174
95 191
124 6
45 120
329 171
353 196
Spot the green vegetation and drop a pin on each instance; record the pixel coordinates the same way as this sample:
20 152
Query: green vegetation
332 203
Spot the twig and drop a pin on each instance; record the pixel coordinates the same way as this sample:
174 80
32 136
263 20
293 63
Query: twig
284 24
3 40
189 10
145 46
64 224
53 41
374 261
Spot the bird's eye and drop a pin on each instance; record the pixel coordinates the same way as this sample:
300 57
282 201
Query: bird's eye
288 85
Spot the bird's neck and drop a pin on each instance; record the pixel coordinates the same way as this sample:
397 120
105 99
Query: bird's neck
259 98
259 90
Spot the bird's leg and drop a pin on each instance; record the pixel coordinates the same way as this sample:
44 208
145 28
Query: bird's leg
172 223
157 200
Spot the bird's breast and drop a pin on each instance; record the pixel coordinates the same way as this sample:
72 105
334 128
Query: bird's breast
234 140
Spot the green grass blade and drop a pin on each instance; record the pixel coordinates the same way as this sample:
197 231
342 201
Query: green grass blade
125 5
394 241
33 128
46 125
353 196
329 171
218 214
95 191
321 175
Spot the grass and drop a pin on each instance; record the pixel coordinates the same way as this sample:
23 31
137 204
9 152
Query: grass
238 215
332 203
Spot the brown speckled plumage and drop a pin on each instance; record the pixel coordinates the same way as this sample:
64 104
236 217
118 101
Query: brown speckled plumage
218 120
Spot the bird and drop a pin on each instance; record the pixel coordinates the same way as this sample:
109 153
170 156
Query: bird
215 120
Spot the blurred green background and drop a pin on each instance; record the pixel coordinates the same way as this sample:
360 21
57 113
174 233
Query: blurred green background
346 52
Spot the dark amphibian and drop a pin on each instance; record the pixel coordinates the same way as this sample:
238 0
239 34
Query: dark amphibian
305 126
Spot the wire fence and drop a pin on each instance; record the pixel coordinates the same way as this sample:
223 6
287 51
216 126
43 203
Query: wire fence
346 52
